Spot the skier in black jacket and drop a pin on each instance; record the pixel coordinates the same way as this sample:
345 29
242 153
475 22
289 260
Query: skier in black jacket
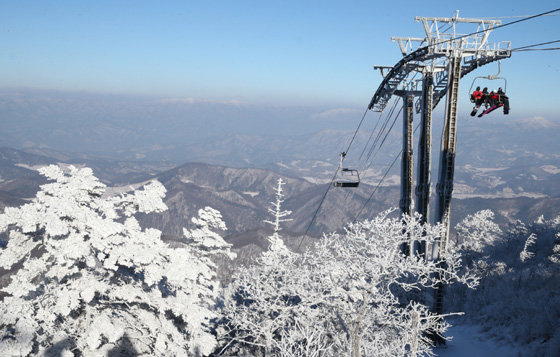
503 98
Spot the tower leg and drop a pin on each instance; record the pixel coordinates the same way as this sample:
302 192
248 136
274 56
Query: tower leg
425 158
446 173
406 202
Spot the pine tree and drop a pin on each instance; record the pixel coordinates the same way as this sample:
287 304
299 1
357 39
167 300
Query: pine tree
276 243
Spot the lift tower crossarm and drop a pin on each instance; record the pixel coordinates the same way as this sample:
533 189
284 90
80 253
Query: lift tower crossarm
456 20
440 42
406 43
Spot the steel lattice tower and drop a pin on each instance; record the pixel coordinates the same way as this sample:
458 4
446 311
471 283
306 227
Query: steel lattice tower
442 58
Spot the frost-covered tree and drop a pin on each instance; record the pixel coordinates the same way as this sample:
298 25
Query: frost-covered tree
478 231
555 256
278 213
518 300
236 307
526 253
89 280
347 297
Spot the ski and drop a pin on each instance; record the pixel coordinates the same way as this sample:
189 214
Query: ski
490 110
496 107
487 111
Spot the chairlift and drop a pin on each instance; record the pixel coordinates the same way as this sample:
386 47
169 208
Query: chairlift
490 77
349 177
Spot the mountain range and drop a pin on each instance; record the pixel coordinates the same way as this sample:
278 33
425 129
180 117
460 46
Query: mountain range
230 157
243 195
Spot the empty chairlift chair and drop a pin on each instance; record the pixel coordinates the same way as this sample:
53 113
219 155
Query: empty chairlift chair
349 178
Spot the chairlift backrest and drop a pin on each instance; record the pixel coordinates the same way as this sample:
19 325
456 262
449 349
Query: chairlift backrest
490 77
351 171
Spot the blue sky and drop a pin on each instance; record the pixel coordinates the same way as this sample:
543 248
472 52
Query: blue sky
256 52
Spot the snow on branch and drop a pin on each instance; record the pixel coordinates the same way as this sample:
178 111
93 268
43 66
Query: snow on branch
525 253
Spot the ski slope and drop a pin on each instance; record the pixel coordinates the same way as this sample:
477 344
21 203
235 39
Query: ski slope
468 341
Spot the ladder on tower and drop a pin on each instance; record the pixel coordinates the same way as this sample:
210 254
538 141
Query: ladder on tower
447 170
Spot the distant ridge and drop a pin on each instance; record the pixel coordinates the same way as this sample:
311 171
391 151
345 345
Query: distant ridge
535 123
243 195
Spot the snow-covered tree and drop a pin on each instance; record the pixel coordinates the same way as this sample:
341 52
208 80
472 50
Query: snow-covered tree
526 253
278 213
235 304
555 256
89 280
347 297
478 231
518 300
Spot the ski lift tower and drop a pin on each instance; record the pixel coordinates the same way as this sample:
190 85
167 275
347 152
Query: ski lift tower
442 58
462 52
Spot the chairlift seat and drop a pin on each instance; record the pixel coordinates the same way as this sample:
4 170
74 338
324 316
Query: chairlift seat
346 184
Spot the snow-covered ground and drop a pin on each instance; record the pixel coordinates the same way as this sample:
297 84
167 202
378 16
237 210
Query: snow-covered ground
469 341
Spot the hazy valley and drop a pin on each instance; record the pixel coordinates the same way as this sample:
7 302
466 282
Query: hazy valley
509 166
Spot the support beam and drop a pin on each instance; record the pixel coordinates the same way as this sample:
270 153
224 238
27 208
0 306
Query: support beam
406 202
423 187
446 172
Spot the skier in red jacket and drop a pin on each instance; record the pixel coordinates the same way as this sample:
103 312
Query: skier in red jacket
477 94
493 97
478 98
